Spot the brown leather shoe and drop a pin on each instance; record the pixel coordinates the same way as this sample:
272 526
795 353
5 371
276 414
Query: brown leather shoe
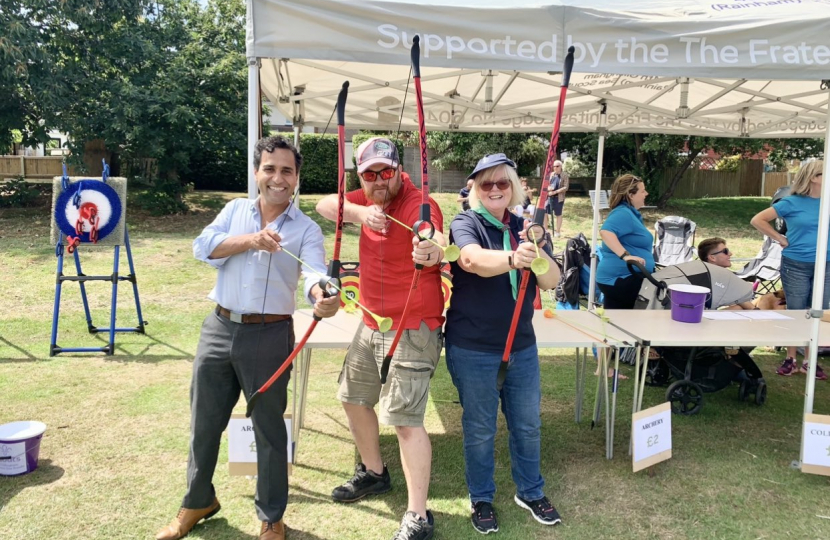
185 520
272 531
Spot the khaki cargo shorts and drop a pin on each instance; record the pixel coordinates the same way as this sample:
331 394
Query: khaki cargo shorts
403 399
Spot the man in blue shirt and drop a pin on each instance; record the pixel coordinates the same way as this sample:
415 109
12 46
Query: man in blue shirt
250 333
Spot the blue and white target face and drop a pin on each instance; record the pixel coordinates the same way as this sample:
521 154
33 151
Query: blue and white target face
94 195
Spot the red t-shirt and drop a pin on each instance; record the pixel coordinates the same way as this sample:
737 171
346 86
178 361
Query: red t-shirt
386 266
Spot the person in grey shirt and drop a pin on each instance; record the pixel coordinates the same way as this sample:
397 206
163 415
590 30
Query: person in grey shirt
250 333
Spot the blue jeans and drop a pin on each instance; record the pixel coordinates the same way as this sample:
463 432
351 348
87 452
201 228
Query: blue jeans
797 278
474 375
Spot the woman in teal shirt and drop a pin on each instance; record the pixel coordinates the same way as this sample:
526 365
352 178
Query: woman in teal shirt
624 238
801 211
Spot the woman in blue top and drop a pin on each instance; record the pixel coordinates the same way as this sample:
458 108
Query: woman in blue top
624 238
485 288
801 211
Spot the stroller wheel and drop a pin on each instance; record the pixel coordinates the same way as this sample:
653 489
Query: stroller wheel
761 393
744 390
686 397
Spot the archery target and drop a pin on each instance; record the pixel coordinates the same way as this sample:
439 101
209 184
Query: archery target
446 284
106 199
349 283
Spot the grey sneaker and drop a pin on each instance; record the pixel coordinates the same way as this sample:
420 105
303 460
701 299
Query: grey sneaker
414 527
363 483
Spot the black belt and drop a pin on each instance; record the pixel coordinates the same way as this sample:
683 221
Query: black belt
250 318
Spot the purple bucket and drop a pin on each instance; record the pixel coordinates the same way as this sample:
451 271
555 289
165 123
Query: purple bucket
687 302
19 447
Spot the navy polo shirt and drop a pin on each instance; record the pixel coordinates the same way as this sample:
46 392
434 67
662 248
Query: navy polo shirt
481 309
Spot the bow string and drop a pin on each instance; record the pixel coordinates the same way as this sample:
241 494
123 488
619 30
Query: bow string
539 214
330 284
423 228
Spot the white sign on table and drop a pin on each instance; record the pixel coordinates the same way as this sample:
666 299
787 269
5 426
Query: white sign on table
816 443
651 434
242 455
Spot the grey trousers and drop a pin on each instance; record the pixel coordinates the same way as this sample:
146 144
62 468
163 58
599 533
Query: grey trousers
233 357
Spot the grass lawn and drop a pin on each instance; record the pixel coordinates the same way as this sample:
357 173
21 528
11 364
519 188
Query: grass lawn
113 458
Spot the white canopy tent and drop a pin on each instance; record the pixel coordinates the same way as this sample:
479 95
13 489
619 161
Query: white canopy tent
739 68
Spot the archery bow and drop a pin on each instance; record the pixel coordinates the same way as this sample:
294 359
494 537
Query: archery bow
330 284
424 216
539 214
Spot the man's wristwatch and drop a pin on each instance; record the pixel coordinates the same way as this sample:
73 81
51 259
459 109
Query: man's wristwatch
624 254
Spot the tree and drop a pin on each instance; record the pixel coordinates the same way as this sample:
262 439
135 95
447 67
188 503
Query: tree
782 149
463 150
166 81
649 155
162 79
29 29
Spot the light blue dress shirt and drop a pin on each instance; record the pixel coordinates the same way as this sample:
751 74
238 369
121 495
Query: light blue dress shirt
241 283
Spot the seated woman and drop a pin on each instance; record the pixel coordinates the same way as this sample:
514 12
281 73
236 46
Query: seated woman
486 282
624 238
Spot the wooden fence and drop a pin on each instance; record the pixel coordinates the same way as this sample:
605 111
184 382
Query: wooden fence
32 168
773 181
747 181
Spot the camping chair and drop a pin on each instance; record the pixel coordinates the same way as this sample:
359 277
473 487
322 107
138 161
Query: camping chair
674 240
765 269
602 200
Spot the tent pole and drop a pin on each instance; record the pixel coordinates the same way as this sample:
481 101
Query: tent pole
254 120
592 287
818 281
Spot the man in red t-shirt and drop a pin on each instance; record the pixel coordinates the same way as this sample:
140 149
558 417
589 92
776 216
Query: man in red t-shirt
387 254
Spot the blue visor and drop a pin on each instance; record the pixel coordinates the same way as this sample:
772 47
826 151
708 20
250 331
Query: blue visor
491 160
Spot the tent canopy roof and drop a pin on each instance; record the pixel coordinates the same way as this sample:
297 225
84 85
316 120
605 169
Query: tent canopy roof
733 69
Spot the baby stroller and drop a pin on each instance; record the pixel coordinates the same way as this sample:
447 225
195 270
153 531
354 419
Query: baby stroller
690 372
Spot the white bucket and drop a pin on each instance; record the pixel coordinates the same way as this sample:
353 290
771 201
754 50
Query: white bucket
19 447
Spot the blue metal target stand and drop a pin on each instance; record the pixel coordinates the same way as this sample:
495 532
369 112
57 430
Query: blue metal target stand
91 212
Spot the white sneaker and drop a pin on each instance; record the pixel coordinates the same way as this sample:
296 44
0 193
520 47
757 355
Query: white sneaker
557 234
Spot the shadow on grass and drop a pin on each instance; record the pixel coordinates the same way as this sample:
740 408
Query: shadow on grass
446 484
46 473
218 528
323 433
142 355
294 534
29 357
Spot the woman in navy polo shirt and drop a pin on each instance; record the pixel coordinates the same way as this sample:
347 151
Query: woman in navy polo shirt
624 238
800 210
485 287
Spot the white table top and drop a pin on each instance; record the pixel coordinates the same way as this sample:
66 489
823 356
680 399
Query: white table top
567 329
824 334
331 333
658 327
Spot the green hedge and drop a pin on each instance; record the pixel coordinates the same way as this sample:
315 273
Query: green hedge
319 174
